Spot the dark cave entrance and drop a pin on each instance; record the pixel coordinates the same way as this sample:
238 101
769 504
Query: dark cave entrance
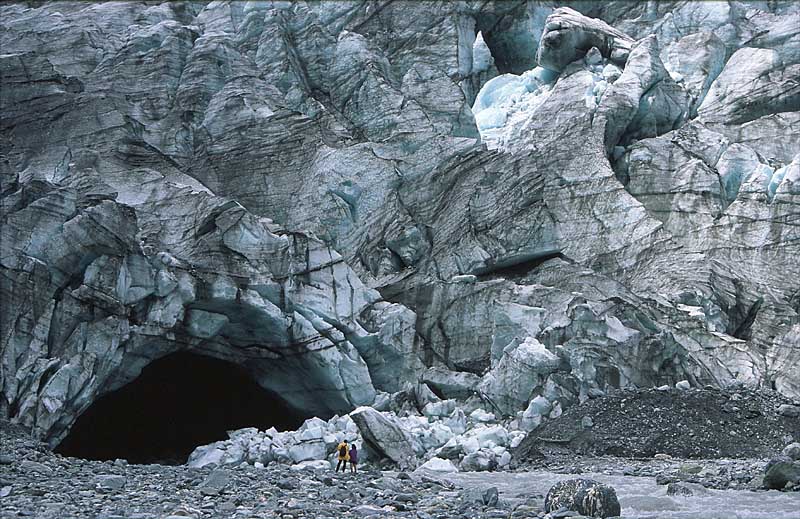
178 402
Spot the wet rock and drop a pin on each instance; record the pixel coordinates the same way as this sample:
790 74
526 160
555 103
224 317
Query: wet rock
789 410
682 488
585 496
780 472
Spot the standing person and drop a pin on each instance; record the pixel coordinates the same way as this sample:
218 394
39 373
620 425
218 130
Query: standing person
354 459
343 451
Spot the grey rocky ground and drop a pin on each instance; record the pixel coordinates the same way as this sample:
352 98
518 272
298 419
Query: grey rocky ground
36 483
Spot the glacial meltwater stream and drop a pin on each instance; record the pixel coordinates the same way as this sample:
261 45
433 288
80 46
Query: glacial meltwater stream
642 498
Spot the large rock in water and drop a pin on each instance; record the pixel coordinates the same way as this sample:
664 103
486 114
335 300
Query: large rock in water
300 188
585 496
780 472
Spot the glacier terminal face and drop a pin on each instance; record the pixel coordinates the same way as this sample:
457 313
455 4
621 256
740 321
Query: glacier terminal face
518 205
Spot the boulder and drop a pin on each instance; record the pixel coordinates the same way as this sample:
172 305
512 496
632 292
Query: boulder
206 455
482 495
568 35
457 422
585 496
423 395
479 461
469 443
781 471
504 459
792 451
431 436
385 436
215 483
480 415
451 450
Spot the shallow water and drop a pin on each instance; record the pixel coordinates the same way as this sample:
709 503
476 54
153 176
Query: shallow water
642 498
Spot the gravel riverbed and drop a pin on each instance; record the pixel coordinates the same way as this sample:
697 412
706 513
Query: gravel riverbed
34 482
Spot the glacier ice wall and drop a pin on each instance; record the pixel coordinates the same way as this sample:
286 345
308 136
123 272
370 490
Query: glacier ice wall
359 199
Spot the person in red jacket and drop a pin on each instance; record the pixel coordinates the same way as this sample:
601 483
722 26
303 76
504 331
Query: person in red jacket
353 459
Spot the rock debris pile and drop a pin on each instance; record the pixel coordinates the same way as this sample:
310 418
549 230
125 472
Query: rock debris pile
692 423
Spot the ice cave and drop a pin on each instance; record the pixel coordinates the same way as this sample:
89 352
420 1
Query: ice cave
178 403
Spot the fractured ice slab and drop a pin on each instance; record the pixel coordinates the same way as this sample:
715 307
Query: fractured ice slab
775 181
508 100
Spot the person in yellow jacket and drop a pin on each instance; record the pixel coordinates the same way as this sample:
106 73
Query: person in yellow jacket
343 452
